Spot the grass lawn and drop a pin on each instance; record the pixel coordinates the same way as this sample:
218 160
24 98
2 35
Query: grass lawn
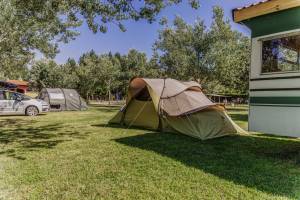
74 155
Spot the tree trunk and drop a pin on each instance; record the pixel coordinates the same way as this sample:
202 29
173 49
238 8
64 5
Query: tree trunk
109 93
87 97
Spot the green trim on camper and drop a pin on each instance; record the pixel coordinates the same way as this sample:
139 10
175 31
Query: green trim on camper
274 89
274 78
285 20
276 105
275 100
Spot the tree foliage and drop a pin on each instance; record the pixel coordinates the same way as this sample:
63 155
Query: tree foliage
29 26
94 75
182 49
46 73
135 64
97 74
229 55
217 57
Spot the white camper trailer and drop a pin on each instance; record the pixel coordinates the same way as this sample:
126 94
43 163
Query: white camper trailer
275 67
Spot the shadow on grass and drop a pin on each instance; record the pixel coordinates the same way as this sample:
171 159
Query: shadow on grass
20 136
265 163
119 126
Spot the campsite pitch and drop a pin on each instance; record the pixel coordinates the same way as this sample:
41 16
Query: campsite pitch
75 155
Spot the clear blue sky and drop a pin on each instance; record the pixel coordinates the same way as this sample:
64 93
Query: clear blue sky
141 35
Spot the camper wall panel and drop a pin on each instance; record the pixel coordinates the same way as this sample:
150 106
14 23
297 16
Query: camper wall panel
275 22
283 84
275 111
276 101
256 58
276 96
275 120
275 93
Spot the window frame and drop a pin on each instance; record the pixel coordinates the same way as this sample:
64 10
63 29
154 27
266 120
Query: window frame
272 37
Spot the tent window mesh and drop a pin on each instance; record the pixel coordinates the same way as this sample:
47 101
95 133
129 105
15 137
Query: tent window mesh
55 107
143 95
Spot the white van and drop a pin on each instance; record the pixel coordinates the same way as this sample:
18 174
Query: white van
13 103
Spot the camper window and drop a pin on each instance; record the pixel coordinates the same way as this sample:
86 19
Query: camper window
281 54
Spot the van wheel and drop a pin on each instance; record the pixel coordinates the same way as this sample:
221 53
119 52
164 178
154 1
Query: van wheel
31 111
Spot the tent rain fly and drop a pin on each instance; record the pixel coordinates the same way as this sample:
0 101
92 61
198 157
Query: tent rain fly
171 105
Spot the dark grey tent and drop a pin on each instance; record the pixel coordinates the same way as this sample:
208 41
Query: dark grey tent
62 99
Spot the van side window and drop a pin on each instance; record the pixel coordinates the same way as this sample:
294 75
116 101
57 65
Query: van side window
2 95
11 95
6 95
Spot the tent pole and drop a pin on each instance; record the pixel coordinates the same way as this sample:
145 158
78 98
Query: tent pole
124 113
192 125
64 97
136 116
160 123
80 103
48 97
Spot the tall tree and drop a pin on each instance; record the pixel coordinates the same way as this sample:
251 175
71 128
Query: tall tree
229 55
98 74
134 64
14 55
46 73
217 57
183 48
69 70
86 77
109 73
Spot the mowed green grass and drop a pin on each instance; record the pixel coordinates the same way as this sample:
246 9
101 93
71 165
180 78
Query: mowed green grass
75 155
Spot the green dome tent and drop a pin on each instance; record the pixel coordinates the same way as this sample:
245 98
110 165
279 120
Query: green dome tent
61 99
171 105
